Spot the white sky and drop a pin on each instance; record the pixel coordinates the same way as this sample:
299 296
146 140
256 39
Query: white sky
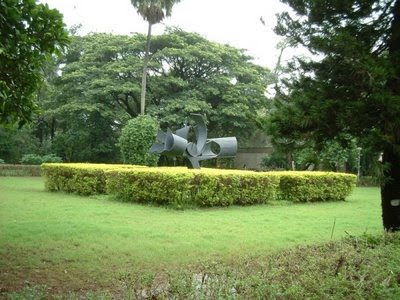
235 22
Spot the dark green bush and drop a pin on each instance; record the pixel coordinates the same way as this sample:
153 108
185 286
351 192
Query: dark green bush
136 139
31 159
368 181
51 158
34 159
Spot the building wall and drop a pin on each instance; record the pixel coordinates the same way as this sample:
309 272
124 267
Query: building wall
250 158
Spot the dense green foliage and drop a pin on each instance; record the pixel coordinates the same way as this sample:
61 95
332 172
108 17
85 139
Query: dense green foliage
338 154
180 187
345 88
94 89
30 33
199 76
14 143
352 88
34 159
121 248
136 139
31 159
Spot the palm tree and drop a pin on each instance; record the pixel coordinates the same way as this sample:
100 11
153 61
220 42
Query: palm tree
153 11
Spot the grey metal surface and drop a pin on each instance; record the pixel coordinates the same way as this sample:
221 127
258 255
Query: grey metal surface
176 144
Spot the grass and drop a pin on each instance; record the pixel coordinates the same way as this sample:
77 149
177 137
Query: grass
70 242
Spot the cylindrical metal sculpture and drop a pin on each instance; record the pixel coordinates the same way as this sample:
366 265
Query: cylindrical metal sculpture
175 144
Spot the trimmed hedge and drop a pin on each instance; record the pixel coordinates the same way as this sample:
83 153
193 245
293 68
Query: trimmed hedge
315 186
19 170
179 186
82 179
184 187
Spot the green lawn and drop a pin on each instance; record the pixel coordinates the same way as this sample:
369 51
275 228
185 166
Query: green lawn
62 239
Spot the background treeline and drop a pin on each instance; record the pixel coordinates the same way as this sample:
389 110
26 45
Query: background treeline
94 89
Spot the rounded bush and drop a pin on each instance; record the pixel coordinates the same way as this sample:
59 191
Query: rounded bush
136 139
31 159
51 158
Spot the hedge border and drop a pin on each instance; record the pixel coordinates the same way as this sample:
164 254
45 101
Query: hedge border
178 186
20 170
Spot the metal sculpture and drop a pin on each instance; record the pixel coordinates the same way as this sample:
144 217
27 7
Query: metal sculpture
176 144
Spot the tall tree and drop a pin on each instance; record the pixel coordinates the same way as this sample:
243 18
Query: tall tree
200 76
95 88
153 11
29 34
103 68
94 94
353 87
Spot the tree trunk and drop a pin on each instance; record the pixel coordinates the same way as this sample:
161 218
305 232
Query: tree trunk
390 189
144 75
290 161
52 129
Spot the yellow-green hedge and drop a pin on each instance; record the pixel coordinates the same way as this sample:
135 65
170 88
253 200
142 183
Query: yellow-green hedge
315 186
82 179
180 186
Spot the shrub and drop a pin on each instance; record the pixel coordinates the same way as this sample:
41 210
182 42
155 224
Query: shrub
31 159
19 170
275 160
165 186
181 187
51 158
1 161
368 181
315 186
34 159
136 139
82 179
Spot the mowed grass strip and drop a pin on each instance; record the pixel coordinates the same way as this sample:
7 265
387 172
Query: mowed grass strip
74 241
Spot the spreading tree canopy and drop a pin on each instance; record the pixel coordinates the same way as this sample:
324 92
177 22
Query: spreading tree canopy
188 74
29 34
354 84
200 76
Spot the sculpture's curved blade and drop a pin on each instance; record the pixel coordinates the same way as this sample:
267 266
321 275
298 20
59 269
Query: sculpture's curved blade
161 135
177 144
157 148
200 131
191 149
183 132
